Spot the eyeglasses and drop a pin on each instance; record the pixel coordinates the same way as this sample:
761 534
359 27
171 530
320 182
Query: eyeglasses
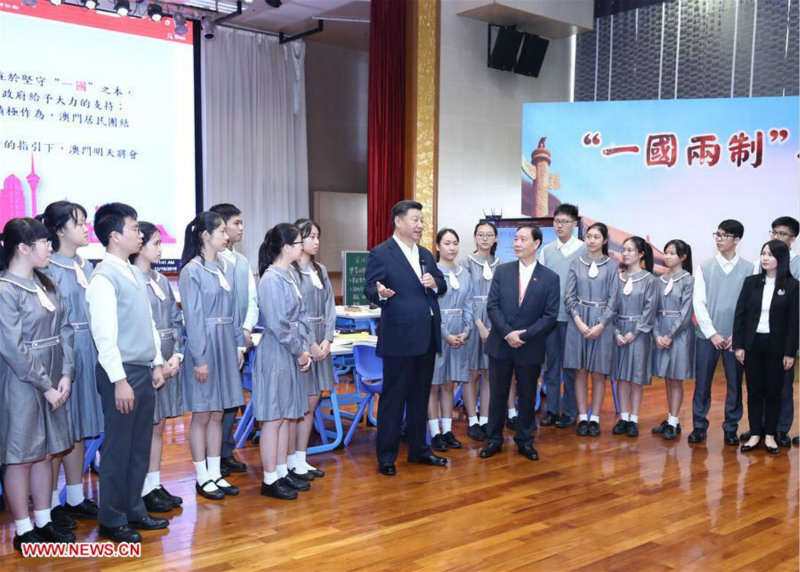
563 221
721 236
299 242
483 236
780 234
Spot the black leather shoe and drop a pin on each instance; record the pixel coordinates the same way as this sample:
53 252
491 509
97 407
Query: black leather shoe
565 422
659 429
214 494
548 419
147 522
697 436
490 450
583 428
669 433
431 459
620 427
307 476
796 441
278 490
451 441
770 450
594 429
175 500
29 537
234 464
228 489
224 471
485 428
745 436
154 501
745 448
782 439
51 533
731 438
475 433
293 482
438 444
512 423
387 469
122 533
632 430
61 519
528 452
316 473
87 509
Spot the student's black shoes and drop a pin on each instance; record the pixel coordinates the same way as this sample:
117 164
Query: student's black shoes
475 433
548 419
632 429
29 537
52 533
278 490
213 494
154 501
783 440
451 441
697 436
594 429
147 522
234 464
731 438
293 482
620 428
122 533
227 489
438 444
583 428
87 509
61 519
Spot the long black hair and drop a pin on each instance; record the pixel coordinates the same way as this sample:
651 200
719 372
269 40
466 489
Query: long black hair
494 228
24 231
643 248
56 216
780 252
276 238
306 227
603 229
193 243
148 229
682 248
440 236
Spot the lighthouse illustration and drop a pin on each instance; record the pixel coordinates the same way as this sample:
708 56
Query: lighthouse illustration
12 197
536 200
33 183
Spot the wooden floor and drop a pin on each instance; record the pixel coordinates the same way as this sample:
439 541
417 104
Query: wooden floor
611 503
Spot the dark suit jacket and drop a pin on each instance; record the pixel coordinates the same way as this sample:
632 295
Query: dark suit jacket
405 317
783 316
537 314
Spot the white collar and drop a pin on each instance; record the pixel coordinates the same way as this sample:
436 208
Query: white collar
454 270
724 263
409 251
598 261
679 276
495 262
229 255
569 246
526 269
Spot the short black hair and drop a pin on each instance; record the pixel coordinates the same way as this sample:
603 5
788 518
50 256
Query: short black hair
226 211
732 226
111 218
789 222
401 208
566 209
536 232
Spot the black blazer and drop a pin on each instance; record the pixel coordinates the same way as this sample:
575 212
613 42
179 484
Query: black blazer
537 314
405 317
783 316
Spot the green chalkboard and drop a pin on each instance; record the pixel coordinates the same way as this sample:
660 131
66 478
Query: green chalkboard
354 268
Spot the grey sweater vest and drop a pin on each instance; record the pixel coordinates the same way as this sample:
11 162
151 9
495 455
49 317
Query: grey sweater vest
240 272
558 263
722 292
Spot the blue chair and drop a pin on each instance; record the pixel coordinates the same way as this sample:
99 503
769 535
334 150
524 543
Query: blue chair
368 377
92 448
247 420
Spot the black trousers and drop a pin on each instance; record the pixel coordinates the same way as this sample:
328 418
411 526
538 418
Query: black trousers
126 447
764 374
406 386
500 371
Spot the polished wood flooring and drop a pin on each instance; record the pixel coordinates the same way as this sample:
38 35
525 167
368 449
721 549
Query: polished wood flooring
605 504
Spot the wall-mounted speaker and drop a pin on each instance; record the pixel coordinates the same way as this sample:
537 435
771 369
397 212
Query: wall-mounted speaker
532 55
503 55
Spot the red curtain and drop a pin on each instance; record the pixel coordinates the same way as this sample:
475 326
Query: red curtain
385 146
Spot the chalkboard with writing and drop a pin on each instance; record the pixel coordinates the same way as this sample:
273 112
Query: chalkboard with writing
354 268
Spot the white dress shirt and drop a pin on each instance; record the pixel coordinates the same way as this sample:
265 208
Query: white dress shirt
766 302
250 319
102 298
525 274
411 254
699 295
564 248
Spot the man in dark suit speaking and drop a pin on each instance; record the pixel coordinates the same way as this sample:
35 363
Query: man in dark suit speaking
523 307
403 279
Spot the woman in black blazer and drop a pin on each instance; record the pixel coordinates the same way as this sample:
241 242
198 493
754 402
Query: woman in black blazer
765 340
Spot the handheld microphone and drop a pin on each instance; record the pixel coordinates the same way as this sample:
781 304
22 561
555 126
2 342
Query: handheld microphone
423 267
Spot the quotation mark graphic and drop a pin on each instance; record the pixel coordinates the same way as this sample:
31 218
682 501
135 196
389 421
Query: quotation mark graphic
775 134
592 140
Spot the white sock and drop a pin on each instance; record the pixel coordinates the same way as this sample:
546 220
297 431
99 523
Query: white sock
473 420
41 517
483 420
214 471
23 526
282 471
433 424
512 412
202 473
634 418
291 461
625 416
583 417
56 500
146 487
270 478
673 420
447 424
595 418
75 494
301 461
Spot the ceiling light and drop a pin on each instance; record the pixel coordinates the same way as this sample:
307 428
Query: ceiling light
122 7
207 23
90 4
155 12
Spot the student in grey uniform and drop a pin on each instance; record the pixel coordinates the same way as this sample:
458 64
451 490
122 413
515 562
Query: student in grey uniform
590 298
558 255
718 282
450 367
169 397
480 266
36 367
318 299
636 316
279 396
673 334
129 369
248 308
214 352
66 223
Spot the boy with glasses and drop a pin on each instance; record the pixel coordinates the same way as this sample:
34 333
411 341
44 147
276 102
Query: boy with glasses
718 281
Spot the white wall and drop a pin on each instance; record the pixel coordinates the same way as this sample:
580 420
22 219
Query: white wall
480 122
